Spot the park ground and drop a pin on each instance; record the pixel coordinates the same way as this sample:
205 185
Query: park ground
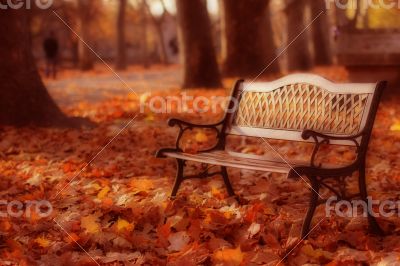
116 210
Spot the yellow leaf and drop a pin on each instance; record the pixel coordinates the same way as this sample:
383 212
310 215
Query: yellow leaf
95 186
103 193
395 127
42 241
124 225
316 253
201 137
142 184
149 118
90 224
229 256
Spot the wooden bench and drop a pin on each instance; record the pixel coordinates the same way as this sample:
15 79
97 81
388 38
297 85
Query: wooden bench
300 107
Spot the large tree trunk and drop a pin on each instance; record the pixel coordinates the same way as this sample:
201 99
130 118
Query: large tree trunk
247 43
320 33
24 99
199 58
121 44
85 54
298 50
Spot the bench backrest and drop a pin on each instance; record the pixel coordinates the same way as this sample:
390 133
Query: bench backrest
282 109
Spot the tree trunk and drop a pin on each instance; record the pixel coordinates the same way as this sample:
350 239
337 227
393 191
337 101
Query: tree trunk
24 99
298 50
85 54
199 58
121 44
320 33
157 23
247 38
357 15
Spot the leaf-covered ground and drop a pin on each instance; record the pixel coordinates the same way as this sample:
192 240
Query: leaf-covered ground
113 203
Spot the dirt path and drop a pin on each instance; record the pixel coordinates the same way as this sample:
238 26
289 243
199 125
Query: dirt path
72 88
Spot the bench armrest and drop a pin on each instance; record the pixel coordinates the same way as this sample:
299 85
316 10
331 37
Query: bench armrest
184 126
308 133
173 122
320 138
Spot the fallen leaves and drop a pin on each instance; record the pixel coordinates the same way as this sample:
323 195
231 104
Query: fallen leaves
118 208
123 225
178 241
43 242
90 224
229 257
395 127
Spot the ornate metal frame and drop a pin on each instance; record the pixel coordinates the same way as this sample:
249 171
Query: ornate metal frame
315 173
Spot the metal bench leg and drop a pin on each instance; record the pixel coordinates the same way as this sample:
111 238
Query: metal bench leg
311 209
227 182
179 177
373 224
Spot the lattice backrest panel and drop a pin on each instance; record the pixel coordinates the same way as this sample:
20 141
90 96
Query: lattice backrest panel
294 106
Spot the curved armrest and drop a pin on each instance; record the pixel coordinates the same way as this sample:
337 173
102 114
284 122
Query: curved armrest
184 126
308 133
173 122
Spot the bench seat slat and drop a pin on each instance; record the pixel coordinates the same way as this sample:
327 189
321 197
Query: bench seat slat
228 159
244 161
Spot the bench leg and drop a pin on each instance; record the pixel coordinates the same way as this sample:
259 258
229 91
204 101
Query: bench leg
227 181
179 177
373 224
311 209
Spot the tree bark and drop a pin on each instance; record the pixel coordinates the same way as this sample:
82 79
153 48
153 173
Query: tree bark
320 33
24 99
298 50
199 58
85 55
247 38
121 43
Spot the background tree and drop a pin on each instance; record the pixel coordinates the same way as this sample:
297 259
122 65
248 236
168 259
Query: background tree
85 13
247 42
121 43
24 99
199 58
320 33
298 52
157 23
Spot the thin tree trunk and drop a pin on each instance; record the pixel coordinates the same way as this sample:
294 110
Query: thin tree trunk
247 38
157 23
24 99
354 21
199 58
121 44
85 55
298 50
144 34
320 33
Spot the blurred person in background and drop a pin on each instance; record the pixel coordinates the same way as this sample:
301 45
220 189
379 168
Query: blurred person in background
51 47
